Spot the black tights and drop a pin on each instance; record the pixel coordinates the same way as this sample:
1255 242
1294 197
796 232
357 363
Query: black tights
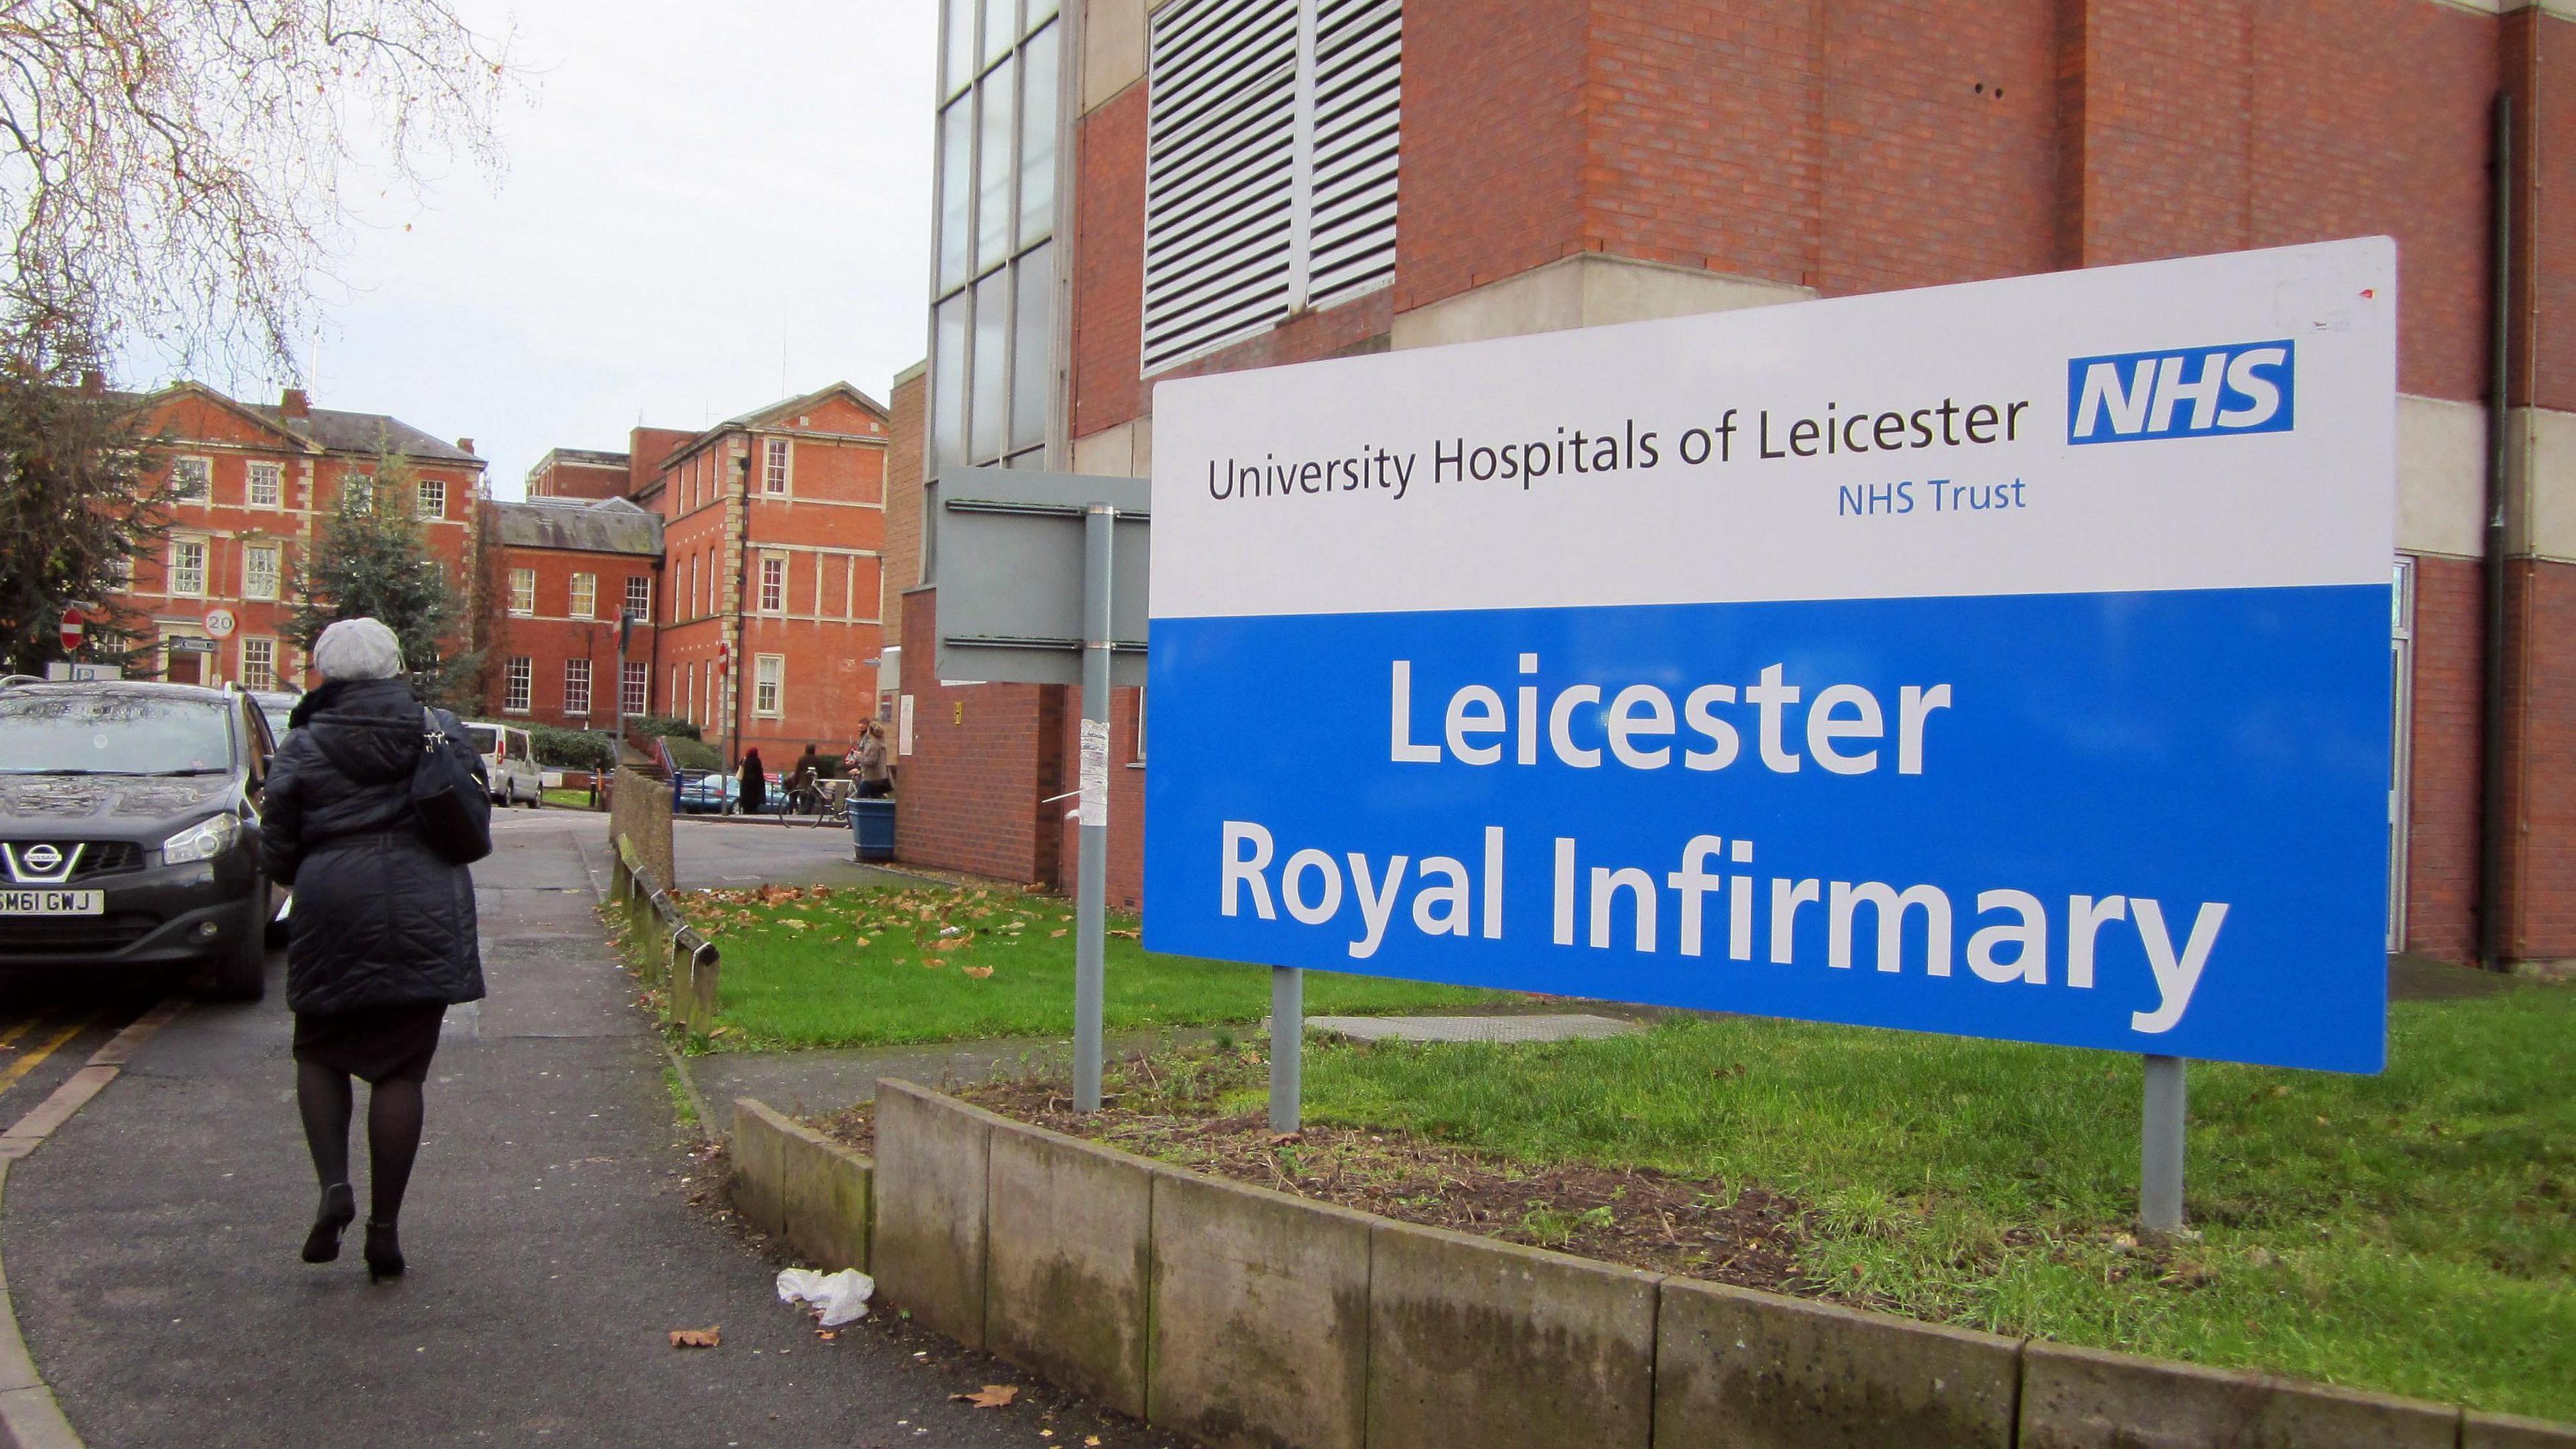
393 1133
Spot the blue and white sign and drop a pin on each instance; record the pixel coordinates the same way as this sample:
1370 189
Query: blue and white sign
1820 660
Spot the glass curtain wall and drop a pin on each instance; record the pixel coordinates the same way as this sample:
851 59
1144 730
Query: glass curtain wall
992 323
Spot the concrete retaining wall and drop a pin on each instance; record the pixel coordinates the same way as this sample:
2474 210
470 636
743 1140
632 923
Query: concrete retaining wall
1243 1317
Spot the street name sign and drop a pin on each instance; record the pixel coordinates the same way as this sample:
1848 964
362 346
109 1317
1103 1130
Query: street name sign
2007 659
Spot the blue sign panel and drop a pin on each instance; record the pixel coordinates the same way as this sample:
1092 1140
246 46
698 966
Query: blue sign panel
2083 746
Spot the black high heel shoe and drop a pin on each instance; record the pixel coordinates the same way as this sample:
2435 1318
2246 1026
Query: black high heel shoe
330 1220
384 1252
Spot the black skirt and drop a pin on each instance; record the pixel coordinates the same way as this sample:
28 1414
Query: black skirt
372 1043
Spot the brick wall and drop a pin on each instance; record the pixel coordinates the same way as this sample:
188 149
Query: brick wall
983 757
550 636
905 410
2538 892
2442 847
1126 884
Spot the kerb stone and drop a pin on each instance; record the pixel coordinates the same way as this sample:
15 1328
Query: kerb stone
2082 1398
928 1253
1759 1371
2504 1431
758 1165
1261 1316
825 1189
1071 1241
1472 1341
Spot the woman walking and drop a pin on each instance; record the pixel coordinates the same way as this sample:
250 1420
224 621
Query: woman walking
382 934
755 784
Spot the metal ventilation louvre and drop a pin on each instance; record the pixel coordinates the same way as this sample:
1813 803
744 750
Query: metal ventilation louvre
1220 155
1358 82
1270 165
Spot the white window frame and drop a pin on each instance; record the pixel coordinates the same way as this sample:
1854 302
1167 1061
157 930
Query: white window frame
523 593
276 556
577 681
275 473
635 687
773 583
518 684
769 680
777 467
431 488
266 667
584 602
204 469
173 575
639 597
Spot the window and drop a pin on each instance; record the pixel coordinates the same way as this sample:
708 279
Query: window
694 714
188 566
523 591
358 494
259 663
433 498
517 686
267 485
1140 726
1269 165
639 597
773 466
120 570
634 687
192 479
585 596
773 583
993 310
696 599
259 571
577 686
769 672
678 700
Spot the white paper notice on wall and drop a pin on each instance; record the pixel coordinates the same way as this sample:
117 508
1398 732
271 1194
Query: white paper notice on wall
903 726
1094 809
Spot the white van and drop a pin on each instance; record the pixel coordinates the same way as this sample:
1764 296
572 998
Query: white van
509 762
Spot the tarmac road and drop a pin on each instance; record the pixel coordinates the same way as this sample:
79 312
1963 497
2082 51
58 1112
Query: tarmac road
150 1244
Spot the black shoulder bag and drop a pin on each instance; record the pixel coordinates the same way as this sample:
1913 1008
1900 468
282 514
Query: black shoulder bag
455 810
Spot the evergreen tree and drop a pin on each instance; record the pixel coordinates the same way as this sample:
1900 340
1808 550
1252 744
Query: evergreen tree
371 562
75 504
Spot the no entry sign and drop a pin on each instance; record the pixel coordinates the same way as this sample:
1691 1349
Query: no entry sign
2007 659
71 629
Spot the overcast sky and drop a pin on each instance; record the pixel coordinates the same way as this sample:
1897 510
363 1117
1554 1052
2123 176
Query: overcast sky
707 208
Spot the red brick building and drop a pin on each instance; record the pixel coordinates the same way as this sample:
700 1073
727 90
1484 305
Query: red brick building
571 568
1486 170
755 548
254 482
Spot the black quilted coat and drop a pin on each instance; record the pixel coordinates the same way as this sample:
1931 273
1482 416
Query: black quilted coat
380 918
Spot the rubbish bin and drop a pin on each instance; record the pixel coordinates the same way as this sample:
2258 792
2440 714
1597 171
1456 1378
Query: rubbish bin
872 828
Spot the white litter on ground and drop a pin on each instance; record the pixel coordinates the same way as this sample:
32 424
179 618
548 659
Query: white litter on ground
837 1297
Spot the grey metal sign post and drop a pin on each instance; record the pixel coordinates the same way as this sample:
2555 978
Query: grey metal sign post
1024 599
2160 1147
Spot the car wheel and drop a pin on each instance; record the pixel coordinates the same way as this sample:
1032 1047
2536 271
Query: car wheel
241 974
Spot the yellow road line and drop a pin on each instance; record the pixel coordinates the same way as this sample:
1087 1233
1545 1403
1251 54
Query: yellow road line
28 1063
21 1029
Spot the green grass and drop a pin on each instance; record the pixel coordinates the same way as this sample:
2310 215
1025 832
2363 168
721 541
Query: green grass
939 964
2413 1232
569 799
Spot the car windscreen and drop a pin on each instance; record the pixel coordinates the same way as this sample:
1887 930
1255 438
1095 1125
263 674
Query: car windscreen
486 739
278 715
113 734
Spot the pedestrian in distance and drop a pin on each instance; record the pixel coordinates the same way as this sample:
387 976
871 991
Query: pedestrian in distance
381 940
755 784
869 763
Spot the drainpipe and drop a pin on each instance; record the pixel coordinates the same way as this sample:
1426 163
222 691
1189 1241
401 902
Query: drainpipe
2495 839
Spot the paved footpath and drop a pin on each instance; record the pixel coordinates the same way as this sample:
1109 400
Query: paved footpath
150 1245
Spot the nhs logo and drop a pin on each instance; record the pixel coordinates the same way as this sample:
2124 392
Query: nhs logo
2195 392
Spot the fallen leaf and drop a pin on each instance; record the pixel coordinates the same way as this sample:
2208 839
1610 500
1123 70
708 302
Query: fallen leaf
991 1396
978 972
1055 933
696 1337
1091 1441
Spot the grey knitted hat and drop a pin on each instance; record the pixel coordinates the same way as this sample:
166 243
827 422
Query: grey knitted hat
358 649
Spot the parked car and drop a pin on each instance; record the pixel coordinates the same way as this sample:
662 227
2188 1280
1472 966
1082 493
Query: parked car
277 705
709 792
509 762
129 828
